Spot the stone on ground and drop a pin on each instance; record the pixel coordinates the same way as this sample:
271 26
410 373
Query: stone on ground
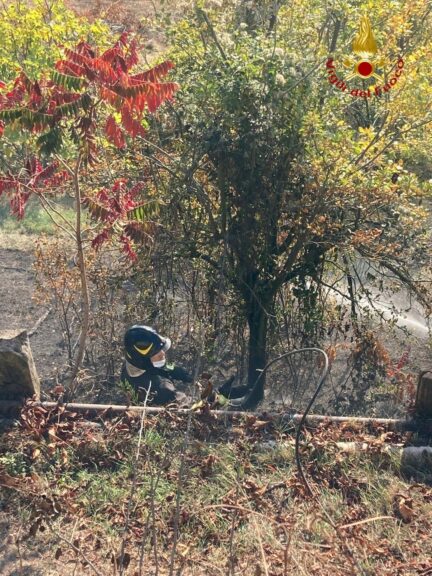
18 376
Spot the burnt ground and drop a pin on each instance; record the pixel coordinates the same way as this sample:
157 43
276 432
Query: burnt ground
20 309
21 555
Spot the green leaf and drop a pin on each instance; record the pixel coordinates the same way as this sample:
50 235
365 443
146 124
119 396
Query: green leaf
11 114
68 109
50 142
32 119
68 82
73 107
145 211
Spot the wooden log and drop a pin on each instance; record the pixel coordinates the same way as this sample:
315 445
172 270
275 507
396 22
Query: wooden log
313 420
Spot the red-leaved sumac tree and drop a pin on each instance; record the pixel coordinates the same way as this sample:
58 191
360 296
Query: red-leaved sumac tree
89 100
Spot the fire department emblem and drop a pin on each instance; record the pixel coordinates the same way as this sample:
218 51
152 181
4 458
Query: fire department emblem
363 64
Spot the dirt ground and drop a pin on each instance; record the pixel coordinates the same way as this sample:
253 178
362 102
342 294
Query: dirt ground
122 15
36 557
19 310
30 562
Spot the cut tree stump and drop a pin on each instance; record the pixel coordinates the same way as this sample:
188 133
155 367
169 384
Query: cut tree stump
423 405
18 376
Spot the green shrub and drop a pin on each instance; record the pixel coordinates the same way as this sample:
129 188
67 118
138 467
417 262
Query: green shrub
32 36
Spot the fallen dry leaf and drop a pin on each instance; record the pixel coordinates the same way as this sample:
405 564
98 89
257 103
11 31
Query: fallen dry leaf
403 508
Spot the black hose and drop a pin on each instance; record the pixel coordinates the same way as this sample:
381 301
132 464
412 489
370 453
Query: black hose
303 419
243 402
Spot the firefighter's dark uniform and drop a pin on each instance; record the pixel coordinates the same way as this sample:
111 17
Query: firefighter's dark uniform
141 343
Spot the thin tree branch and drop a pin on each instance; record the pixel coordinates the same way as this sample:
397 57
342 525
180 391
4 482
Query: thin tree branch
201 13
54 221
134 483
77 550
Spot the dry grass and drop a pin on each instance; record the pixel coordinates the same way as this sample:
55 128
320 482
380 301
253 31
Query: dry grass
242 508
16 241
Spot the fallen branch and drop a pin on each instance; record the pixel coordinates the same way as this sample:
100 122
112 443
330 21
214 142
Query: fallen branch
14 268
38 322
77 550
366 521
312 420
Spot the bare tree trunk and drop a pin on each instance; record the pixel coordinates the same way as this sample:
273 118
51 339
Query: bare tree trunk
85 297
259 311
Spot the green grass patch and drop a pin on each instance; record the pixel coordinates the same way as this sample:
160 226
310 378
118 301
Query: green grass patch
36 220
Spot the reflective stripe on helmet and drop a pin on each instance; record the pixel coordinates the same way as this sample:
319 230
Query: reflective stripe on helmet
143 351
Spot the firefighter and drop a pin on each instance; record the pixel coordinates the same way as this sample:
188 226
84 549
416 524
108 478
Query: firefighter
146 367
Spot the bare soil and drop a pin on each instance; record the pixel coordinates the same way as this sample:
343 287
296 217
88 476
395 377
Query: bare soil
19 309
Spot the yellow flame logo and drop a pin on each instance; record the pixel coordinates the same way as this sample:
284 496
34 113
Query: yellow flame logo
364 42
364 47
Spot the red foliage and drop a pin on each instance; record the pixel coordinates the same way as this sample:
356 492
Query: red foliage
111 205
34 179
101 238
112 208
129 94
85 80
132 55
114 133
18 201
155 74
87 91
127 247
66 67
35 96
402 362
132 126
136 189
16 95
